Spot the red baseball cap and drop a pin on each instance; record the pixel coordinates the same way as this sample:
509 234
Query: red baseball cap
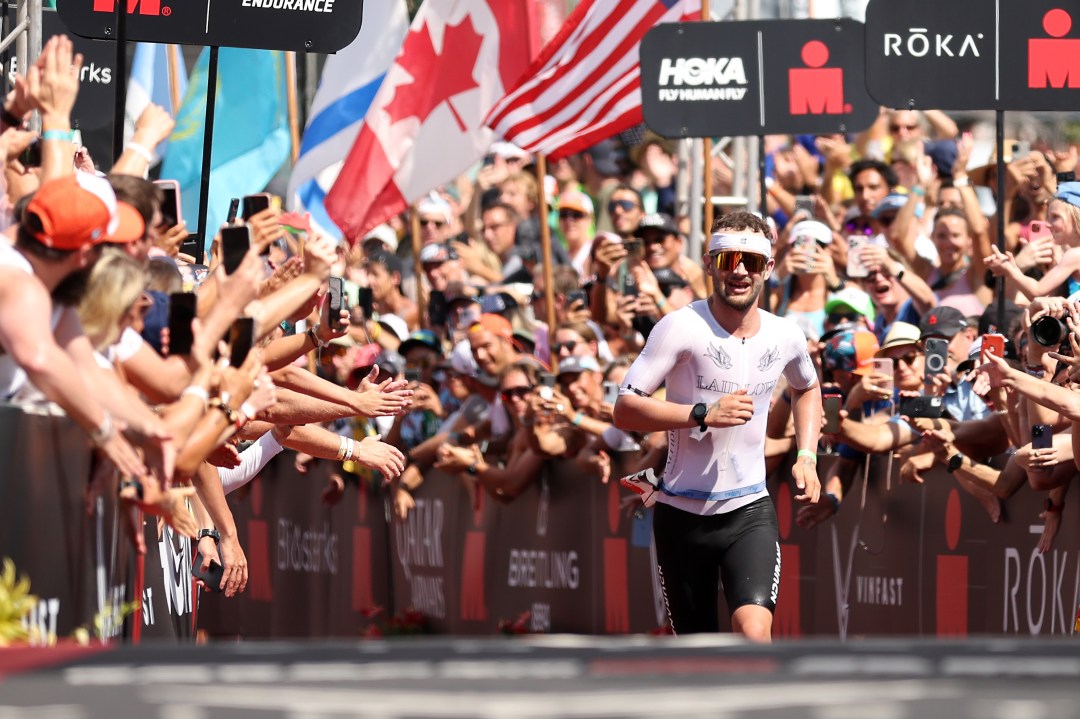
80 210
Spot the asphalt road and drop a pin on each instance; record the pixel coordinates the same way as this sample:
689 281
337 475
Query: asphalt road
557 676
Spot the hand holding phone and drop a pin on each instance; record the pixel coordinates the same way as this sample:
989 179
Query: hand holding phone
831 404
241 340
182 307
254 204
336 301
937 355
855 265
211 576
992 344
235 243
1042 436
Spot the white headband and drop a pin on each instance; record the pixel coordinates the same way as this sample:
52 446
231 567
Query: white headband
747 243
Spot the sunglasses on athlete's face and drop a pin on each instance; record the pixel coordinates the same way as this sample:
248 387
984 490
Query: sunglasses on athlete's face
729 260
624 205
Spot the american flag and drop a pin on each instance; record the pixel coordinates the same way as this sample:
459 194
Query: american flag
585 85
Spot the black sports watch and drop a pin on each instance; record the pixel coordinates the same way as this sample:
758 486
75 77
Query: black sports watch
212 533
954 462
698 414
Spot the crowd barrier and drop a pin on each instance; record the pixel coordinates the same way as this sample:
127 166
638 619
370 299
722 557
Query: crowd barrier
569 555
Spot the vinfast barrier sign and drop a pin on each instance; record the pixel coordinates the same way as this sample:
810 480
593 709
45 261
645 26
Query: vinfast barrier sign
754 78
324 26
974 54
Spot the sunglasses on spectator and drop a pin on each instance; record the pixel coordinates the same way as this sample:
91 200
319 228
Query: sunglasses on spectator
571 215
728 260
569 346
839 317
624 205
909 359
898 128
515 392
887 220
433 223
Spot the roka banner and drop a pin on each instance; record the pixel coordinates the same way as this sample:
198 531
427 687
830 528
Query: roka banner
324 26
755 78
974 54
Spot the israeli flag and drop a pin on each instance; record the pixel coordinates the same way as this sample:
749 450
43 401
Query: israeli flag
349 82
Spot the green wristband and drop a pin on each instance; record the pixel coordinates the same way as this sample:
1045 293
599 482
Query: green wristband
807 453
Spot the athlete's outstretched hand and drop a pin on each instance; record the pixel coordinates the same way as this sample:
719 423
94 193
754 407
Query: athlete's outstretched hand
806 479
730 410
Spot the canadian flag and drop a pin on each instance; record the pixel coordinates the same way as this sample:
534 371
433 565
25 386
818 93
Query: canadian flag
426 124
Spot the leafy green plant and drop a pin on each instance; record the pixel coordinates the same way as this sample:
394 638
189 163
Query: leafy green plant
16 602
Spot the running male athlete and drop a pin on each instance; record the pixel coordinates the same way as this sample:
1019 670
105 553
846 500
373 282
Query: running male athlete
720 359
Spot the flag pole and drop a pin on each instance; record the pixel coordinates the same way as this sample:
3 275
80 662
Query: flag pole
707 146
418 266
172 57
208 151
290 95
545 246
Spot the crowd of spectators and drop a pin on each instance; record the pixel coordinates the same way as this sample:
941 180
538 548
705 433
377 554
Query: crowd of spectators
885 254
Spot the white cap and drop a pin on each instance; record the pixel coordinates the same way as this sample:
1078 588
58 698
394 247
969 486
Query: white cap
508 151
741 241
396 325
384 234
462 360
817 231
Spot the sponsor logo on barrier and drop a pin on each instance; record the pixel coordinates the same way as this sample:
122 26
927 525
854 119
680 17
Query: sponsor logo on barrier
538 568
883 591
306 550
1031 585
176 572
419 546
842 577
540 617
40 621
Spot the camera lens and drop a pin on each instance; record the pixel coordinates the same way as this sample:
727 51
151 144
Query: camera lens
1048 331
935 363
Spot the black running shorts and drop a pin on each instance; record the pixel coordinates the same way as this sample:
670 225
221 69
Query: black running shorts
696 552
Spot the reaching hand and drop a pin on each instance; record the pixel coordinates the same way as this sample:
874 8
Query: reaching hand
319 256
234 561
385 459
153 126
53 81
386 399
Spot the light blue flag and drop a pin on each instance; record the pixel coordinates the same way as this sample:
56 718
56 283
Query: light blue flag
251 133
349 82
149 83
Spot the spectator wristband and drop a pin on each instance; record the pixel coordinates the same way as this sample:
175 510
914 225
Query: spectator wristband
576 421
142 151
835 502
104 432
139 491
226 410
58 135
196 391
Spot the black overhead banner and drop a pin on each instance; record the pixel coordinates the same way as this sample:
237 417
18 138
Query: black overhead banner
973 54
755 78
302 25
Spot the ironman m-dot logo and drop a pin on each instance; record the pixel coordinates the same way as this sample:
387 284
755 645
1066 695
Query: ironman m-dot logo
144 7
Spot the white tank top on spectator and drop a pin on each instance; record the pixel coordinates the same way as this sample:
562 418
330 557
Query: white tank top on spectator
700 361
12 377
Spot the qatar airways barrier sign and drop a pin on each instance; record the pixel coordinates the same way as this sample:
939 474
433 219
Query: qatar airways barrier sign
755 78
974 54
324 26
